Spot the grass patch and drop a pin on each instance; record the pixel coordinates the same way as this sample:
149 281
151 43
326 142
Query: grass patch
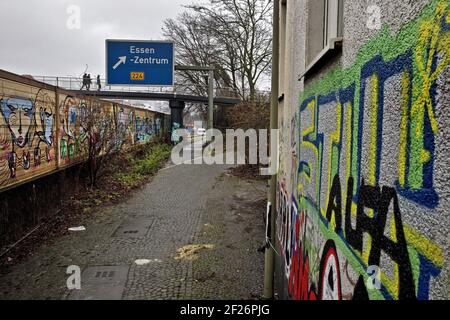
150 163
154 159
129 179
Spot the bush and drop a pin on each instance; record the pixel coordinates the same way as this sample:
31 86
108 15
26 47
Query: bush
154 159
130 179
146 161
247 116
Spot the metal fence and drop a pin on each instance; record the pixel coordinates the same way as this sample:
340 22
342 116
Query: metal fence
73 83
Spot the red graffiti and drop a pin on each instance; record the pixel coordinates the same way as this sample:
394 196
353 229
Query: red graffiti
330 274
298 285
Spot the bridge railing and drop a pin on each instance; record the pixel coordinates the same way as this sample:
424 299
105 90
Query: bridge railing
74 83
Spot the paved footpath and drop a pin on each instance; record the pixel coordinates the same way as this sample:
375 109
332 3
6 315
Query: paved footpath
186 226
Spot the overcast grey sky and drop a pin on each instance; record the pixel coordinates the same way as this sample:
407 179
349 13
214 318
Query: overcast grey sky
35 38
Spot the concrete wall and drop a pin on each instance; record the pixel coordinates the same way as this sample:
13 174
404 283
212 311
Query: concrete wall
42 130
365 157
27 206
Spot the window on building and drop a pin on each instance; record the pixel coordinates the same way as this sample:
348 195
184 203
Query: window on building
324 28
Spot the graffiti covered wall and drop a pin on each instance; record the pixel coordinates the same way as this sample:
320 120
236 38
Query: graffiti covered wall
72 130
145 126
41 132
27 131
364 199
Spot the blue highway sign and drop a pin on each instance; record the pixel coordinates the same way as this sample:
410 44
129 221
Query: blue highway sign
139 63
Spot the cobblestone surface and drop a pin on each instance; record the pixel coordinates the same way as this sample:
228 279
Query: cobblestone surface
235 226
188 205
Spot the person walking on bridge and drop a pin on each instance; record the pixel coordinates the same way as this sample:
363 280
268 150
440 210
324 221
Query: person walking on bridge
84 81
88 82
99 83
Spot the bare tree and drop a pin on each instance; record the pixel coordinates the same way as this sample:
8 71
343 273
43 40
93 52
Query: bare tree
249 115
234 36
100 129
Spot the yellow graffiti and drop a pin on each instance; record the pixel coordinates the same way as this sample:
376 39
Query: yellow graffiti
349 133
392 284
372 179
431 41
374 131
403 130
424 246
305 134
335 139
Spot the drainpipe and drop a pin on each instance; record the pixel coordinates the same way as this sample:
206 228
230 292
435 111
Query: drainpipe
270 253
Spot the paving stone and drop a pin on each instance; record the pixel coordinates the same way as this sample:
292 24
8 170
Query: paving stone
165 215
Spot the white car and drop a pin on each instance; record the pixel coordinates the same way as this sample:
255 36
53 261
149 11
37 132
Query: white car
201 132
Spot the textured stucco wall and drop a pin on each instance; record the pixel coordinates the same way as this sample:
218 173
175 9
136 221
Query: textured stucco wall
364 160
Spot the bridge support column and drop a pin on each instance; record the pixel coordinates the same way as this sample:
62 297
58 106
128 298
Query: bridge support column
176 109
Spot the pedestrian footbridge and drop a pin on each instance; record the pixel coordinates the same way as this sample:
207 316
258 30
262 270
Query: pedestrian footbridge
179 93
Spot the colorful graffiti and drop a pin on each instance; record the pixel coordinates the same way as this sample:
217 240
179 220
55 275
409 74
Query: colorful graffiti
175 138
73 137
364 141
144 128
26 135
124 123
38 137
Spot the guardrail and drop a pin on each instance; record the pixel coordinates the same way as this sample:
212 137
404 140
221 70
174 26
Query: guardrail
73 83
